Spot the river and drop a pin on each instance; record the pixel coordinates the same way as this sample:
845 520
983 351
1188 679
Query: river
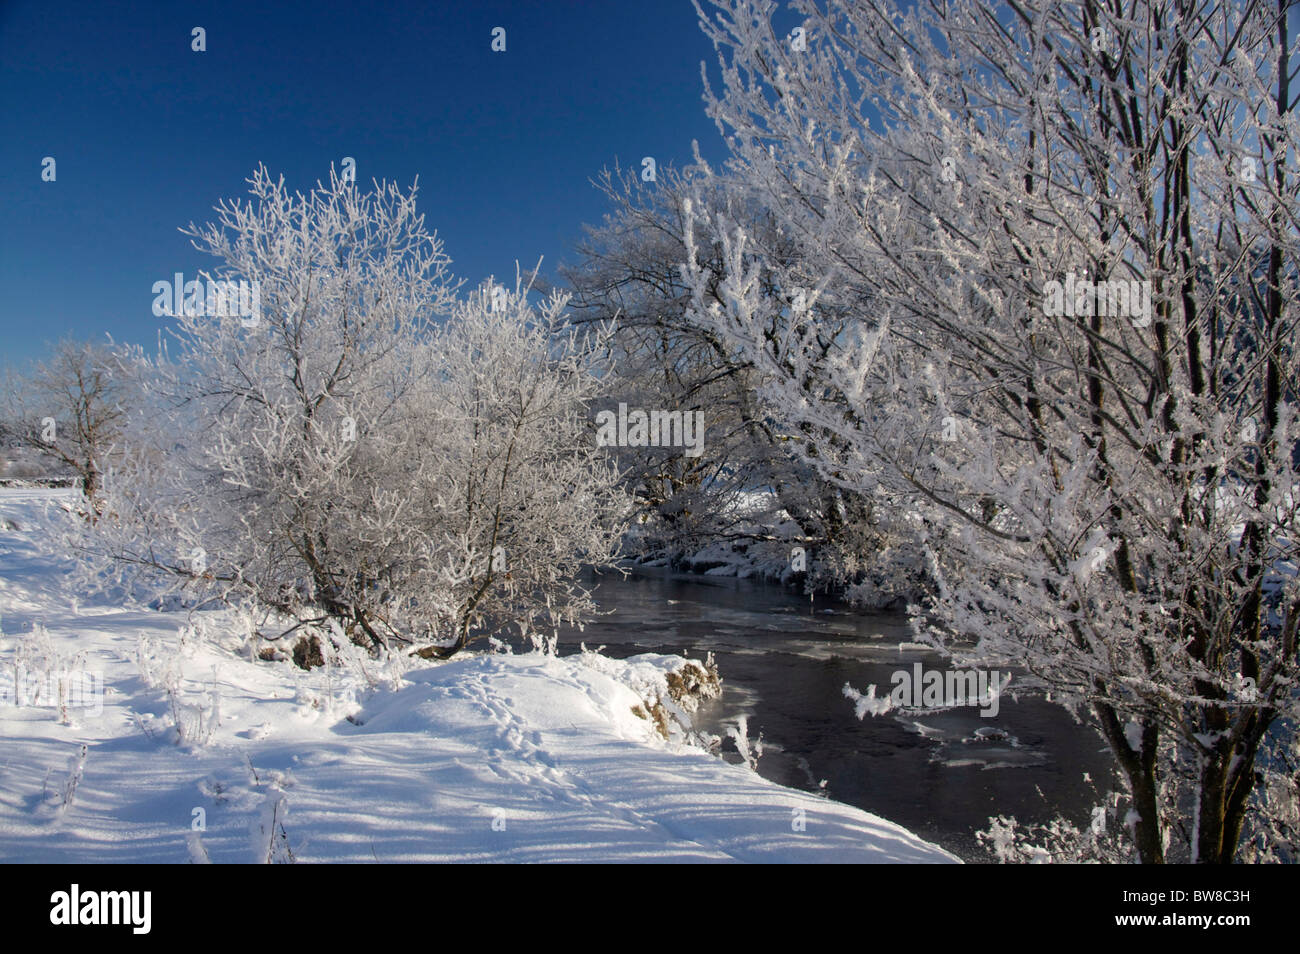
784 662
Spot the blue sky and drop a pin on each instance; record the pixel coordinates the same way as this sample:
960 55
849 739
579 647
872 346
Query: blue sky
148 134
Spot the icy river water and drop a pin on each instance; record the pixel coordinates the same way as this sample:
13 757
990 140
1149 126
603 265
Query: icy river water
784 663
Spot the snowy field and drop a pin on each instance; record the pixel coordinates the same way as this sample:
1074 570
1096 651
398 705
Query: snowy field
520 758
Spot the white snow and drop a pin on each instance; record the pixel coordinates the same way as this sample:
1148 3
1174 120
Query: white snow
526 758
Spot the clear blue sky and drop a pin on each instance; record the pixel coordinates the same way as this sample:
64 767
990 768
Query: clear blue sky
148 135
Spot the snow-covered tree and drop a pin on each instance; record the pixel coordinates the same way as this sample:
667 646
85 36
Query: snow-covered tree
1048 279
72 407
746 492
516 494
349 456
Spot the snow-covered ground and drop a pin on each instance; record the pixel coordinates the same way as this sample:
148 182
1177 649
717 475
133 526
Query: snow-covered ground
485 758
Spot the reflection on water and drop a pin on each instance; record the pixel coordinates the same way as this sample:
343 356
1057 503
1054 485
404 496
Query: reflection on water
784 662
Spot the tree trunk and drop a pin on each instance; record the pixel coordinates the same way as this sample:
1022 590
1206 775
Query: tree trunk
1140 770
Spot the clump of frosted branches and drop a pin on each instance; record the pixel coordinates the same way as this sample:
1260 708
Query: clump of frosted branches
368 454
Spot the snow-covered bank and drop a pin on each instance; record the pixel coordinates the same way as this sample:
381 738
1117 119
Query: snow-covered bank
485 758
761 542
